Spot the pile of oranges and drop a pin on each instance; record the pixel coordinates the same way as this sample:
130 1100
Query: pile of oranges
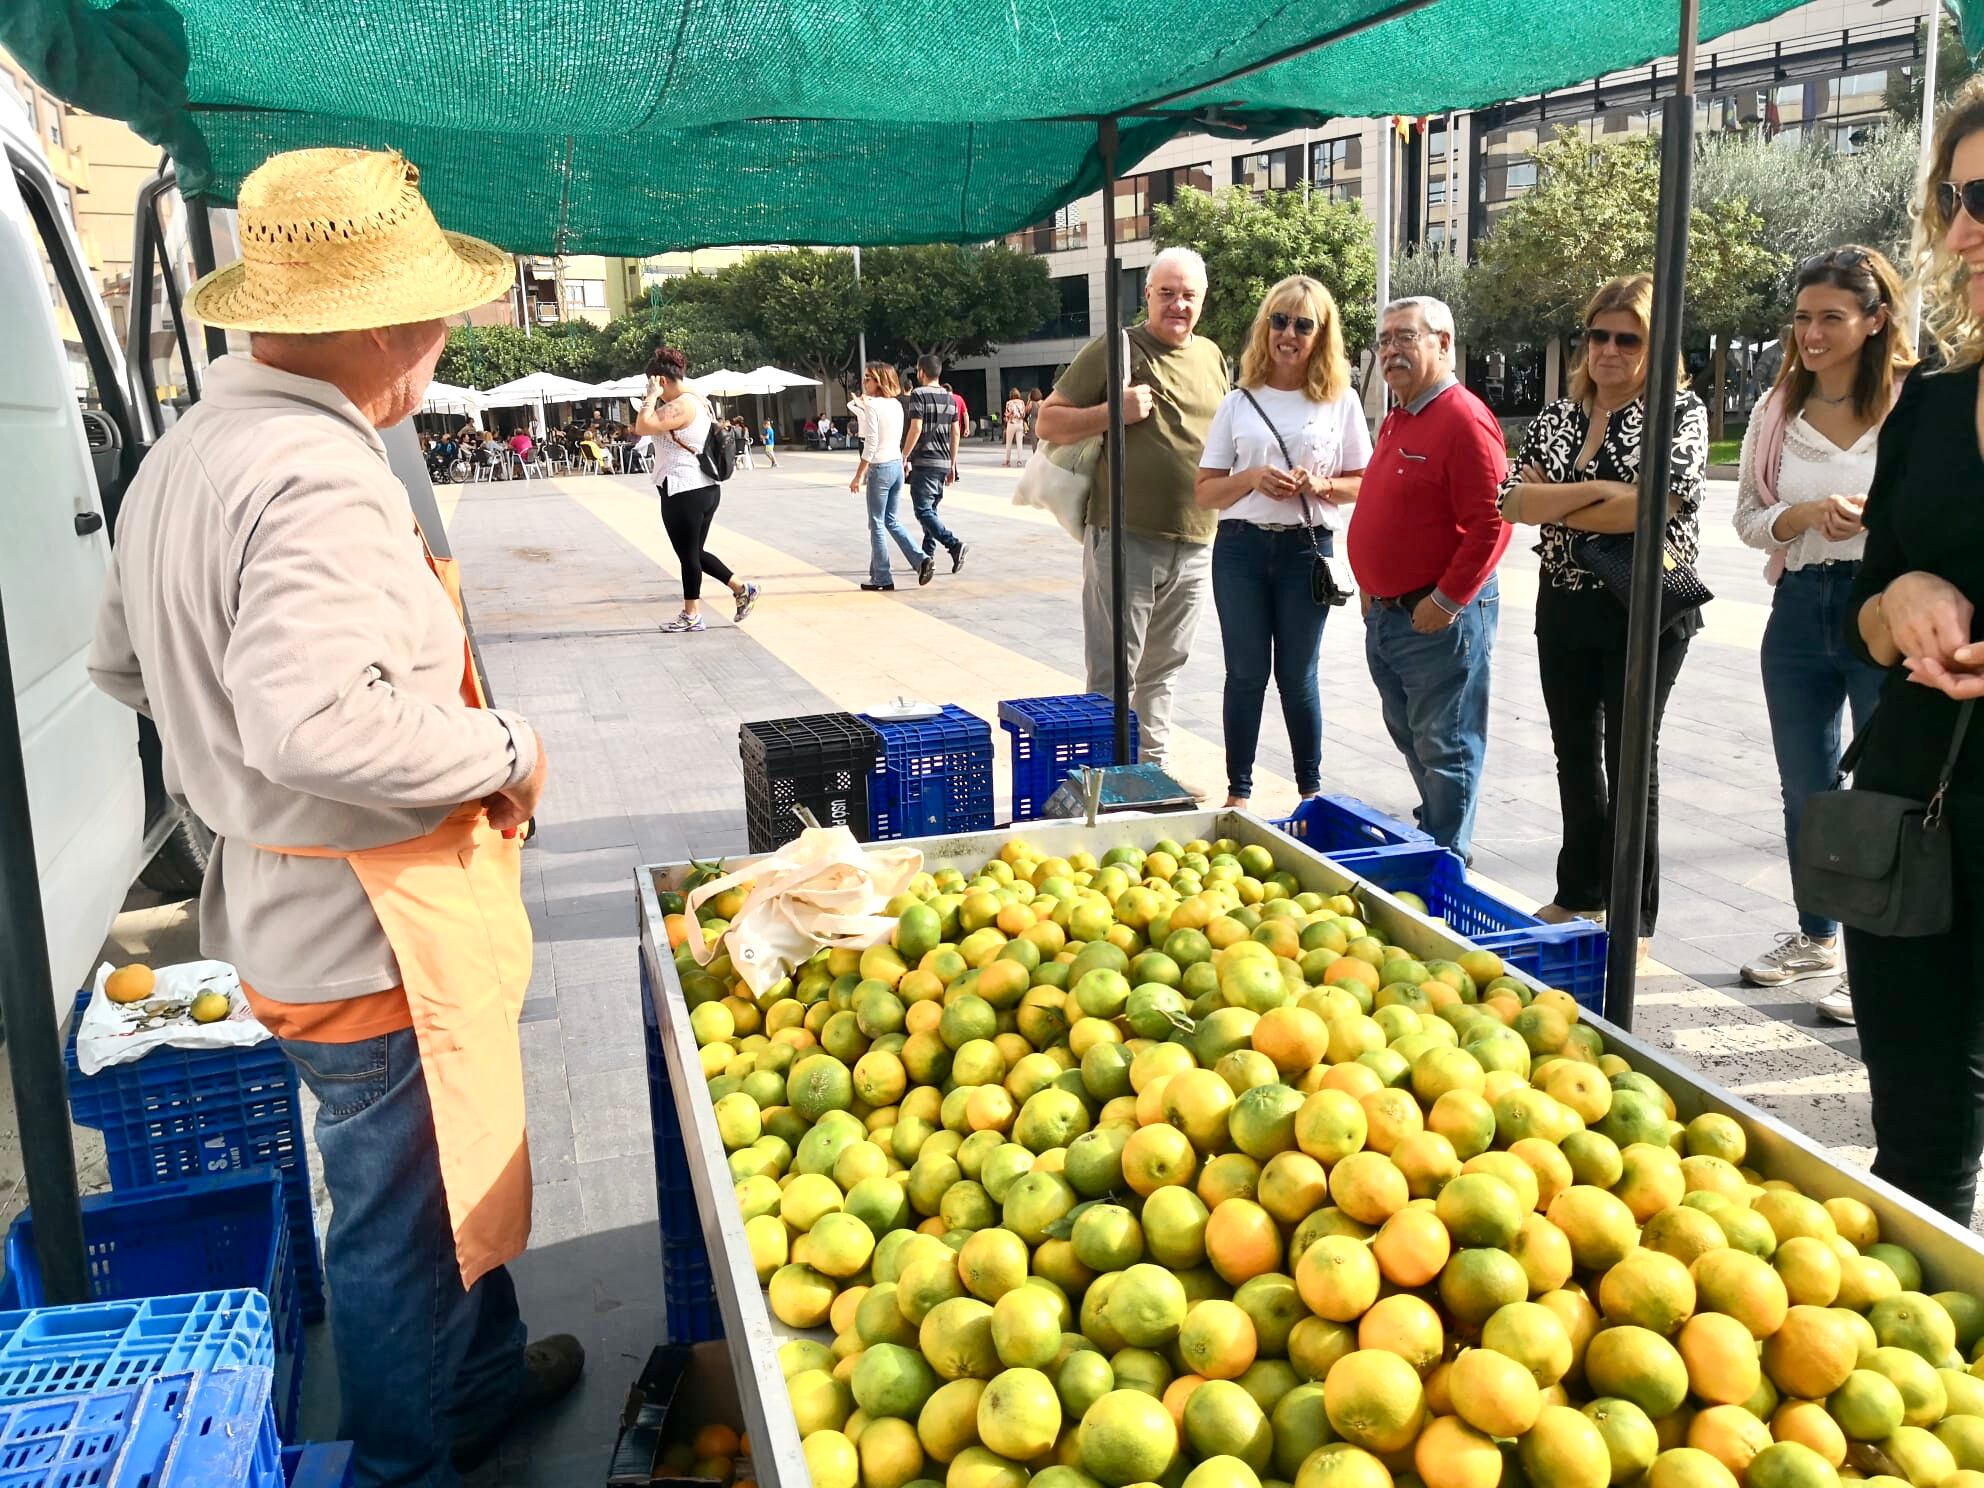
1156 1169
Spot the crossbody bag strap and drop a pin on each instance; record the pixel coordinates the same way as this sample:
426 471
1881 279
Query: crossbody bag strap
1850 761
1282 445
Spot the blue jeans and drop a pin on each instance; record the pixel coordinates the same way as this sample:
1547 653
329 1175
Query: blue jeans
1269 621
926 489
884 486
420 1360
1809 677
1434 693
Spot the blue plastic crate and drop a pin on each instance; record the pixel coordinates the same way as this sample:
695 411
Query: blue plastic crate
318 1465
688 1295
108 1345
187 1430
1054 736
217 1234
1338 824
1570 957
186 1113
933 775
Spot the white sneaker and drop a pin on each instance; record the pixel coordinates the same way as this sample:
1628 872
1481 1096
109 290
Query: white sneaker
1795 958
1837 1004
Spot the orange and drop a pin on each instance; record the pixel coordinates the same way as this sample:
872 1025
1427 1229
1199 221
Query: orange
1197 1102
1231 1175
1812 1353
1535 1337
1217 1340
1374 1400
1745 1287
1428 1161
1688 1467
1368 1187
1729 1434
1600 1228
1404 1325
1807 1423
1331 1125
1451 1454
134 983
1722 1360
1242 1241
1649 1290
1337 1278
1411 1247
1292 1186
1293 1037
1178 1392
1544 1253
1494 1393
1157 1156
1353 1079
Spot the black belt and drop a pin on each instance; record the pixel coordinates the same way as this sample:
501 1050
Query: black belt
1407 601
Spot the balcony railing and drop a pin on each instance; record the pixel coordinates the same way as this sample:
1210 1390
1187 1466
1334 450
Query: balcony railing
1047 238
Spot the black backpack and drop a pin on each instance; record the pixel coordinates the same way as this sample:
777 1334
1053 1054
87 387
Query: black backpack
717 457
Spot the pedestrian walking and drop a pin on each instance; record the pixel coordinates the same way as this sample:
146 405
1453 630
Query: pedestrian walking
879 417
1424 541
1578 473
1807 465
272 608
771 444
1285 455
1176 381
1015 417
1033 402
930 448
740 441
680 420
1919 1002
964 420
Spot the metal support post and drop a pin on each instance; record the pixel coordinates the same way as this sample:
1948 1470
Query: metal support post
34 1037
1113 452
1633 787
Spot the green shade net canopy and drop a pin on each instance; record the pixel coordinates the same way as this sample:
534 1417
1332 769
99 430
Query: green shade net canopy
569 127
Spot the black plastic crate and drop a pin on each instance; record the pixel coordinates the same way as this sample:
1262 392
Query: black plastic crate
821 761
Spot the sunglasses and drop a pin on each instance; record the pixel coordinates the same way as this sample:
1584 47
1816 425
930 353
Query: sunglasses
1845 258
1966 194
1304 326
1624 340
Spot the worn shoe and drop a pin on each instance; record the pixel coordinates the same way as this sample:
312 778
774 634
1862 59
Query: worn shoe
1795 958
1556 914
684 623
746 602
551 1367
878 588
1837 1005
957 556
927 569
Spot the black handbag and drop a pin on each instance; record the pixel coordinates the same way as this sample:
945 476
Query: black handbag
1876 862
1326 586
1610 556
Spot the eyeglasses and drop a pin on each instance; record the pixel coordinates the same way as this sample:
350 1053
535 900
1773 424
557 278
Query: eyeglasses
1838 258
1387 339
1304 326
1624 340
1966 194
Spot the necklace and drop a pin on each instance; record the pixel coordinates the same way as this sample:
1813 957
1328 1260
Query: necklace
1815 396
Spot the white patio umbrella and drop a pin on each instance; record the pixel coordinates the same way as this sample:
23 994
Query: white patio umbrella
623 387
782 378
723 383
538 389
445 397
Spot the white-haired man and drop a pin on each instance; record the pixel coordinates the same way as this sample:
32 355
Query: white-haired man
1425 537
1176 382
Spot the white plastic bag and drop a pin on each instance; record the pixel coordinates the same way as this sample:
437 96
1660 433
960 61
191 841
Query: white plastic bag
119 1032
1056 480
820 889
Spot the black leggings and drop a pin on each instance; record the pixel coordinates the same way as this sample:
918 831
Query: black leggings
687 516
1919 1006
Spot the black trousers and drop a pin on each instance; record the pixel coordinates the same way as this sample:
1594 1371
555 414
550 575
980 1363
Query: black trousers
686 516
1919 1007
1584 687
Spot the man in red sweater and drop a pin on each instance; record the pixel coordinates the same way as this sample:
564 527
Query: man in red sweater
1425 537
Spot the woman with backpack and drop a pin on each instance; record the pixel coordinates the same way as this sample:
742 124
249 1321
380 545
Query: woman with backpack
681 423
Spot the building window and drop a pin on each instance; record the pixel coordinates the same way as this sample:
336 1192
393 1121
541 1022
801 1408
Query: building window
1132 208
1436 235
591 293
1337 167
1436 190
1130 286
1064 230
54 122
1269 170
1071 320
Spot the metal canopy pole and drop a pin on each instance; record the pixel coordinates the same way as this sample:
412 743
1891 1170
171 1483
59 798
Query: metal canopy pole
1932 28
1633 787
34 1038
1112 315
200 237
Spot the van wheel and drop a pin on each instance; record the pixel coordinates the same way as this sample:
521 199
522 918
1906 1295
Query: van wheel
180 865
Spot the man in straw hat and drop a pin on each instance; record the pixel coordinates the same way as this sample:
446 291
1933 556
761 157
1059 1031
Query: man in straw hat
273 608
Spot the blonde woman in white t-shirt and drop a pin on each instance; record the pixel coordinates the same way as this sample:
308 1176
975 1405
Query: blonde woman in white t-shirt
879 414
1808 460
1285 455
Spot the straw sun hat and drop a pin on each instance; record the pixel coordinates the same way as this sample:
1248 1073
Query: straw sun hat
341 240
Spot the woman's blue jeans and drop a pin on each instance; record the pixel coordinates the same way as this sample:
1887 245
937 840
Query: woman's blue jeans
1809 679
884 487
1270 626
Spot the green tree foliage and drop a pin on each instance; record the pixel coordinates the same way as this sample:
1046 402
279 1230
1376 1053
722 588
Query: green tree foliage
803 307
700 326
1249 242
1591 217
1442 275
952 300
1953 68
483 356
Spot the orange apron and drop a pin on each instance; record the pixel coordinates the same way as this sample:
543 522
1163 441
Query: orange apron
451 904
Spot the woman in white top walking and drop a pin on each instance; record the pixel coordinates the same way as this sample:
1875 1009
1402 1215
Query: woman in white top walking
1808 460
880 415
1285 455
1015 416
680 421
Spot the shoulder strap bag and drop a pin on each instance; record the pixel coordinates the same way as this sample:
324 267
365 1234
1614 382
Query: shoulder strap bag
1329 583
1876 862
1056 477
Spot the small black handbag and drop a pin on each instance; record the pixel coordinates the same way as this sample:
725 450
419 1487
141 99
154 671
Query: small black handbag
1877 862
1327 586
1610 556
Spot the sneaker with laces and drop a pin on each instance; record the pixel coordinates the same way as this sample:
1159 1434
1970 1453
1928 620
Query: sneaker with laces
746 602
1837 1005
927 569
684 623
1795 958
957 555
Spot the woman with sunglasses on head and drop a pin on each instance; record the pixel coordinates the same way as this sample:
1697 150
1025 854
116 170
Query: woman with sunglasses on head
1919 1001
1578 473
1286 452
1808 460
